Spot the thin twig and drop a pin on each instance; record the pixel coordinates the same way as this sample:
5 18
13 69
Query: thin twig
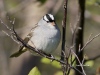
5 25
11 36
73 30
79 62
79 35
89 41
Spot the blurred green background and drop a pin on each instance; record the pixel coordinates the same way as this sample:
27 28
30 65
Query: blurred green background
27 13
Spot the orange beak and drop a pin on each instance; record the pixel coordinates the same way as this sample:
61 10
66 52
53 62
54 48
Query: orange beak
53 23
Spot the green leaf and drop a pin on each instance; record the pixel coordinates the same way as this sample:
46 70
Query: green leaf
42 1
59 73
56 64
72 72
45 61
34 71
90 2
89 63
48 61
69 60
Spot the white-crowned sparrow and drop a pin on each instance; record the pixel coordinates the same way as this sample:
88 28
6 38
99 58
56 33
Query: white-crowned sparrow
45 36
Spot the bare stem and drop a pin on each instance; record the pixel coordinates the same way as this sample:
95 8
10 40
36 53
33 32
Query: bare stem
64 67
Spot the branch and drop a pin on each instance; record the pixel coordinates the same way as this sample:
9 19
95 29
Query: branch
90 40
64 67
79 36
81 64
87 43
64 29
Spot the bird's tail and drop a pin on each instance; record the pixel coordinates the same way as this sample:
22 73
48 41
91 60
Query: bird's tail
18 53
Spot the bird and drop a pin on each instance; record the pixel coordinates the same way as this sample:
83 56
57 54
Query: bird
45 36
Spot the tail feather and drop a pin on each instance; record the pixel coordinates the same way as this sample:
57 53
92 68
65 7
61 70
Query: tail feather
18 53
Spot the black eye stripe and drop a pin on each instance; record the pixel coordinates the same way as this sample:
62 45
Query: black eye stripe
49 18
